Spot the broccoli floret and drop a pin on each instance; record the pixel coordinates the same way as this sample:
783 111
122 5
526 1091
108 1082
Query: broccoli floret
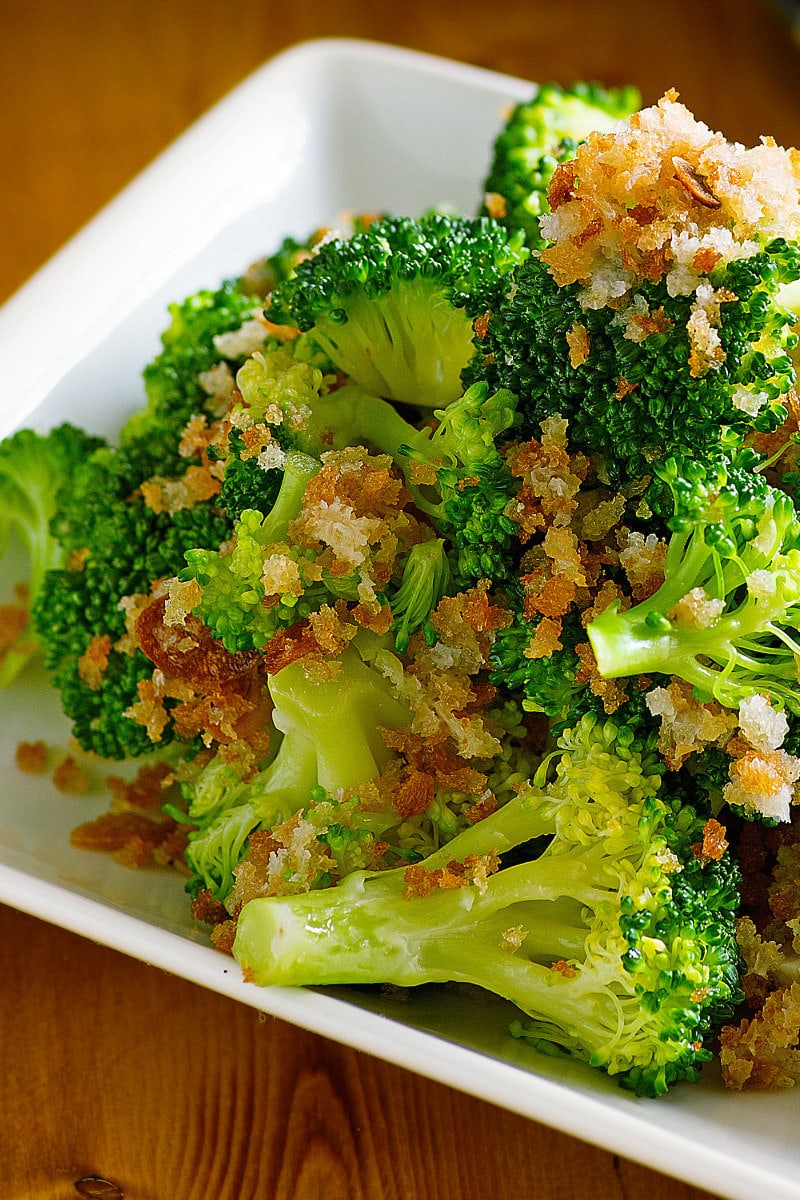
36 475
726 617
547 683
393 307
540 133
630 402
119 547
231 603
172 380
331 740
617 943
652 319
462 481
286 403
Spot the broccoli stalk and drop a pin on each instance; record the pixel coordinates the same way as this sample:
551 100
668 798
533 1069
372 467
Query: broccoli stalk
726 617
426 578
331 739
617 942
36 473
393 307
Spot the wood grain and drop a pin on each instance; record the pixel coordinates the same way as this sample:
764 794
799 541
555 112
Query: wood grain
111 1068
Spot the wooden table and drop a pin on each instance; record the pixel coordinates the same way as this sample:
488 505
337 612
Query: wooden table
112 1068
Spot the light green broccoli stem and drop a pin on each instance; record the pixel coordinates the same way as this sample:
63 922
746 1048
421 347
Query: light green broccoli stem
426 577
503 935
752 647
341 718
351 416
331 739
409 346
299 469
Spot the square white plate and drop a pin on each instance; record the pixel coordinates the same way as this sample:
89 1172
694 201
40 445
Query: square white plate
327 127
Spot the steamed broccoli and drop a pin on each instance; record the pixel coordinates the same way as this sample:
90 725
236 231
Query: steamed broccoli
653 316
36 476
617 942
393 307
116 546
540 133
331 740
462 481
726 617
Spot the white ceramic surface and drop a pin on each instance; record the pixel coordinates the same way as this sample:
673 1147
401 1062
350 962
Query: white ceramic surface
327 127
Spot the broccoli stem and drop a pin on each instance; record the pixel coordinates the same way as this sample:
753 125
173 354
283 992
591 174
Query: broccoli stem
341 717
728 659
298 469
351 416
366 931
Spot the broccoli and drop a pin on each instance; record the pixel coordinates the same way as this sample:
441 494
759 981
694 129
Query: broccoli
547 683
631 402
287 402
540 133
726 617
617 942
36 475
653 318
231 602
331 740
393 307
461 480
172 379
117 546
114 541
426 578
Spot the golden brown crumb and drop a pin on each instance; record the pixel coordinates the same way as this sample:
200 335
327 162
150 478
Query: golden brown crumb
496 205
162 495
93 663
223 936
68 777
714 843
208 910
31 757
578 342
13 623
473 872
687 725
642 559
763 1052
511 939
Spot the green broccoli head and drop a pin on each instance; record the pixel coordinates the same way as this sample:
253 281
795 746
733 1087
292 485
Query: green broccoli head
393 307
36 477
116 546
329 738
540 133
630 401
460 478
617 942
654 318
726 617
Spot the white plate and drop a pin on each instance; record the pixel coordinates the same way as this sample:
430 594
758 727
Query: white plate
326 127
